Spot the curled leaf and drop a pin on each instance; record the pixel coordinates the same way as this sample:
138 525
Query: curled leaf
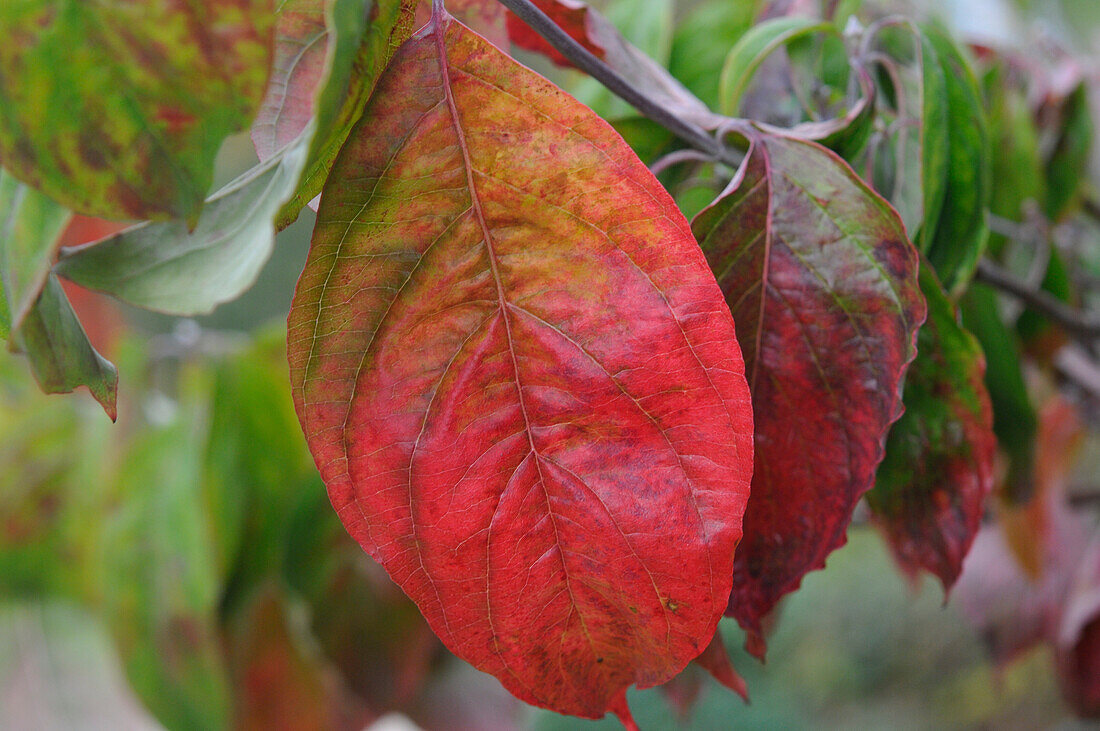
559 492
165 267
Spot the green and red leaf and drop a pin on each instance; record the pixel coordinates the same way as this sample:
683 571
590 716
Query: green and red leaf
822 282
519 381
939 465
117 109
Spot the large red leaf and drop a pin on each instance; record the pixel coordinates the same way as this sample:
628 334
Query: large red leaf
931 487
519 380
823 285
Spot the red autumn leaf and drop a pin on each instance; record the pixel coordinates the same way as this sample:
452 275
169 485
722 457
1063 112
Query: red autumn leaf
301 41
931 487
573 17
822 283
519 381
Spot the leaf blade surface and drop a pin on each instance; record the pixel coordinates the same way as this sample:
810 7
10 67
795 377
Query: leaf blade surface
517 399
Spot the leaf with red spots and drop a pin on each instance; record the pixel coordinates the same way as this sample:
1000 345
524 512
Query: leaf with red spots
117 109
822 283
938 469
519 380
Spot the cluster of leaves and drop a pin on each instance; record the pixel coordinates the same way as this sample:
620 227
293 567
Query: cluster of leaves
513 357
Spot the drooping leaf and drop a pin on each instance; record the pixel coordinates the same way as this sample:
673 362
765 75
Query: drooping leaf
164 267
1067 163
297 70
58 670
931 487
755 46
1014 419
30 228
59 353
116 109
644 22
960 232
716 661
822 283
519 381
367 34
1017 167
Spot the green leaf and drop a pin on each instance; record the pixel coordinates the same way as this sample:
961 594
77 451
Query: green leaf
1014 419
1068 162
117 109
60 355
1017 167
959 237
256 470
931 486
913 84
163 267
756 45
31 226
702 40
161 581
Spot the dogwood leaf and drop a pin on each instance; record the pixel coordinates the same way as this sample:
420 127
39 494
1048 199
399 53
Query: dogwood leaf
519 380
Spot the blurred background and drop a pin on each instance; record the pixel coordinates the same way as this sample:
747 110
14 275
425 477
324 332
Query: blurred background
183 569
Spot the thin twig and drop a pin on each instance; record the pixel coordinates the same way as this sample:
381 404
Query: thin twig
583 59
1082 325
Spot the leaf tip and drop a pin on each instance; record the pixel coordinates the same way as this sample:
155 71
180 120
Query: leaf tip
756 645
621 709
716 661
